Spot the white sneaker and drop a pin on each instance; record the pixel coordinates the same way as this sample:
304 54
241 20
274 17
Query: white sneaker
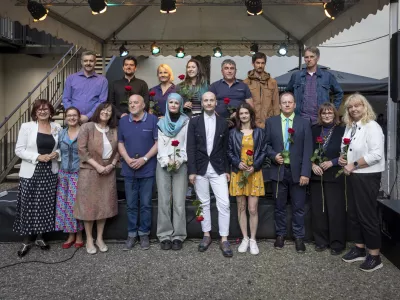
244 245
253 247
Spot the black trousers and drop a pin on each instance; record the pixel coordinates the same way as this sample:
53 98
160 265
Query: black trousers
329 218
364 227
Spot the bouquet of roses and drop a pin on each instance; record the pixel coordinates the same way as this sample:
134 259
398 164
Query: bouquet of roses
153 105
346 142
244 177
128 91
318 158
230 108
172 167
285 154
186 92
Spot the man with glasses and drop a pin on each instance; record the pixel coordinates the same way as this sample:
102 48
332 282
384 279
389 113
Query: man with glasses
289 146
312 86
85 89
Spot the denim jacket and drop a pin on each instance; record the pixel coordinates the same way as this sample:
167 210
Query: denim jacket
326 82
69 152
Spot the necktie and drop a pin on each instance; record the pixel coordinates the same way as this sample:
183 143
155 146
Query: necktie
353 129
287 134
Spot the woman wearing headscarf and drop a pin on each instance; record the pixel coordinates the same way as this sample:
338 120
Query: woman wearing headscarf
171 174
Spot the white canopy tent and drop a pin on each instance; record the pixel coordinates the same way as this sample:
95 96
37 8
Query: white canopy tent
198 25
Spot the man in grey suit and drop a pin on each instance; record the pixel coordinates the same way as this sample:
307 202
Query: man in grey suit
289 146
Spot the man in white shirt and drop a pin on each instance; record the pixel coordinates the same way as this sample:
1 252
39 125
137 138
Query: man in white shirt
207 143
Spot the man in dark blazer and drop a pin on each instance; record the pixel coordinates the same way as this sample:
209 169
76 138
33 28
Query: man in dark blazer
207 144
291 167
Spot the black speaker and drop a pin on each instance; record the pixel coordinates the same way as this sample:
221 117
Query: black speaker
395 67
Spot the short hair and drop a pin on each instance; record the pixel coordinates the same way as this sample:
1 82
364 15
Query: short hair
228 62
168 69
286 94
39 103
312 49
252 116
130 57
258 55
328 106
369 114
87 53
112 122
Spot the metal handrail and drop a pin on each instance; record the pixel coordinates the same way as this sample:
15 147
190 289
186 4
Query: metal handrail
38 85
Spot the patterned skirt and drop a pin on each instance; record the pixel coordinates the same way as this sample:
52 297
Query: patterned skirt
36 201
66 194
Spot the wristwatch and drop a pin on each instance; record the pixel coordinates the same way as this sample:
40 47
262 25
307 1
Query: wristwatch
145 159
355 165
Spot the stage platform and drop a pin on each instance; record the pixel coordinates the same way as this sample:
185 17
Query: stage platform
116 228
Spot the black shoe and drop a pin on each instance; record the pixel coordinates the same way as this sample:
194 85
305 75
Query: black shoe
355 254
336 251
226 249
320 248
176 245
279 242
24 250
371 263
166 245
300 247
205 243
42 244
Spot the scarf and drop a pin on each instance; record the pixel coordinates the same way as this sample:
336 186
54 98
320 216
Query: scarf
166 125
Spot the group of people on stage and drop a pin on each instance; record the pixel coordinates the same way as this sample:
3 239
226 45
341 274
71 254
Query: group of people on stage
220 136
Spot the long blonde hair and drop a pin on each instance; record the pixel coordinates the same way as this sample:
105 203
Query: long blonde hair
368 115
168 69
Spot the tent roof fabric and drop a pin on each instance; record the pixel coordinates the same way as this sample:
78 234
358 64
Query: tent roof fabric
350 83
208 26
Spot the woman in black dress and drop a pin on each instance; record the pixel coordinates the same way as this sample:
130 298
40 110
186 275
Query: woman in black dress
36 146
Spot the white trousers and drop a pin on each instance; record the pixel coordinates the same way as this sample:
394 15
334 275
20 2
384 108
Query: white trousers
219 185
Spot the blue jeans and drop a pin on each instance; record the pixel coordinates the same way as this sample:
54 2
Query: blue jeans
136 188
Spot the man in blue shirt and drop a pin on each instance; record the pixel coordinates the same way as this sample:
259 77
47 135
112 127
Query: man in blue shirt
137 144
229 91
85 89
311 87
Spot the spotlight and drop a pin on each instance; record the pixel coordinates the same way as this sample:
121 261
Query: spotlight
333 8
282 51
180 52
217 52
98 6
253 48
254 7
154 48
123 51
168 6
37 10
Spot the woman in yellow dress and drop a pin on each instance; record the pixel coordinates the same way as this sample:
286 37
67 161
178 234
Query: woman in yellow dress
246 152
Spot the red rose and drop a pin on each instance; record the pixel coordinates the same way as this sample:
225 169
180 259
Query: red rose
290 130
181 77
199 218
227 100
175 143
152 93
128 88
320 140
346 141
249 152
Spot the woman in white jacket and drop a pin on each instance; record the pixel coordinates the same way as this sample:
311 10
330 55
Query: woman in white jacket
36 146
171 174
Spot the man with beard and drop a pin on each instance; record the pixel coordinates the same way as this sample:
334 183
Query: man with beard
85 89
311 87
122 89
264 90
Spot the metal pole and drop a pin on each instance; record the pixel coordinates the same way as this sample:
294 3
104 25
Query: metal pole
392 113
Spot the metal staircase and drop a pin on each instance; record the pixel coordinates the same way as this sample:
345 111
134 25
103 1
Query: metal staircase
50 88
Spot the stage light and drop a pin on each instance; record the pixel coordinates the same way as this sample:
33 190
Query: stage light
37 10
253 48
217 52
254 7
155 49
98 6
180 52
168 6
333 8
282 51
123 51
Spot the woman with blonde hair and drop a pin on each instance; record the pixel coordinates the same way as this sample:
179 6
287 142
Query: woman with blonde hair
363 161
159 94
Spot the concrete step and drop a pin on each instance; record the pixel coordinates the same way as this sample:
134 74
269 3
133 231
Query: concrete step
12 177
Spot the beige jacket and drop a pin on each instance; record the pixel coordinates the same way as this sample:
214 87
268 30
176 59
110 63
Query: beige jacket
265 95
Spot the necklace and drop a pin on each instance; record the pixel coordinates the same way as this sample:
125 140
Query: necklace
328 136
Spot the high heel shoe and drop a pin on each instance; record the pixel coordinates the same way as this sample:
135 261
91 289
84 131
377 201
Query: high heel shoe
24 249
42 244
